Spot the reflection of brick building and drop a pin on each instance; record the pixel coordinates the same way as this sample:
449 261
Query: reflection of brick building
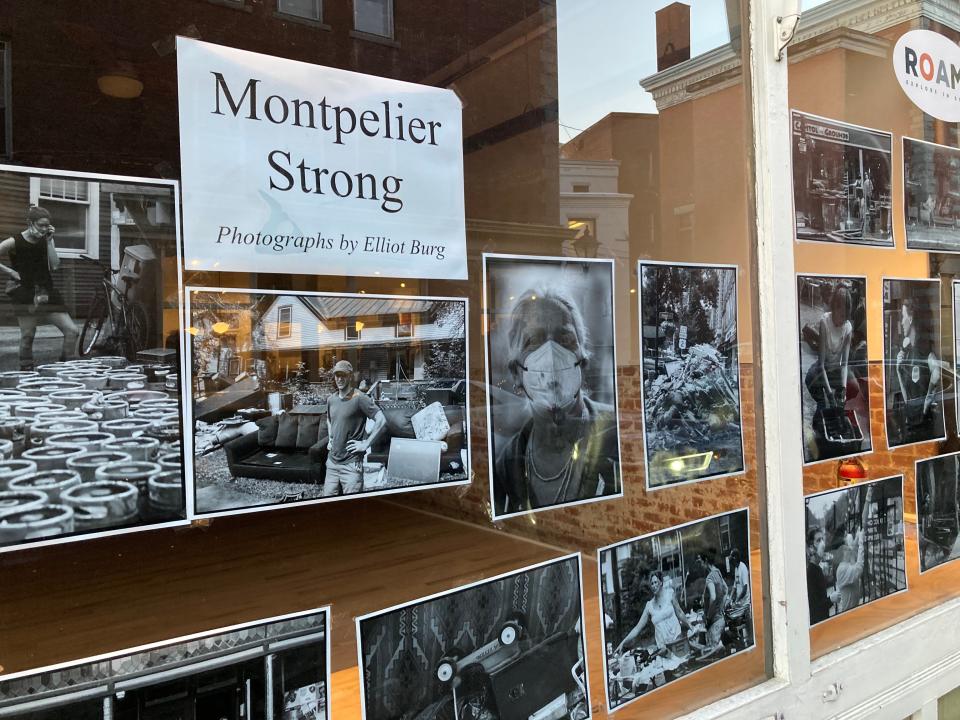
501 61
262 671
632 140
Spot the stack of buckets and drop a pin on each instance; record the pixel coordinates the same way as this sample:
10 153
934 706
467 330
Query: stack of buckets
88 445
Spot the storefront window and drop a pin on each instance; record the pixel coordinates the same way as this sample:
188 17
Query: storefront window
469 325
872 176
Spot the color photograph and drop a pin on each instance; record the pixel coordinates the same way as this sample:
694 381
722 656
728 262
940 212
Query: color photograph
841 182
506 647
90 413
931 196
554 435
855 546
273 668
311 397
691 372
833 365
675 602
938 510
912 372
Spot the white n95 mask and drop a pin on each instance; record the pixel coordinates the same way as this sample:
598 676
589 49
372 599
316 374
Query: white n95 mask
551 376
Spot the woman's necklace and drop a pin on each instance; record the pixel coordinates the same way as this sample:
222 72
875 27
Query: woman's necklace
532 466
564 474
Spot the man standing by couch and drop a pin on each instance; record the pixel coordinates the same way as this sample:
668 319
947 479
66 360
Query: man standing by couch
348 410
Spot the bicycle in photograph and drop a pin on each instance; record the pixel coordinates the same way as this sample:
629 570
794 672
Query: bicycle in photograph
116 324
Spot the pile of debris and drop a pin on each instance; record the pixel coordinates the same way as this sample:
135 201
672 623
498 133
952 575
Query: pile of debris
695 395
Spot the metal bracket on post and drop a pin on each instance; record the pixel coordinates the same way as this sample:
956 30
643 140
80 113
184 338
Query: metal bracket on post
785 28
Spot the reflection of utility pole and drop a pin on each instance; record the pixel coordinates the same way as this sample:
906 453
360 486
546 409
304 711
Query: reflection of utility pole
656 330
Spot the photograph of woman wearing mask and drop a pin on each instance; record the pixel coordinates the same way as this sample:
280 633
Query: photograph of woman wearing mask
691 372
551 370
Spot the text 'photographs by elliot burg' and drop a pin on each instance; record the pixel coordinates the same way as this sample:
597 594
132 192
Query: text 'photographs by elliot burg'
90 413
691 372
277 667
311 397
912 371
675 602
841 182
938 510
855 546
833 365
507 647
551 382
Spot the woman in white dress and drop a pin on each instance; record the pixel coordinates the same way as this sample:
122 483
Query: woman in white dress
664 612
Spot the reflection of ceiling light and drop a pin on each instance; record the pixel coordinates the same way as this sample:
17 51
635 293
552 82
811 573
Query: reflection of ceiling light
403 284
359 326
193 331
120 81
220 327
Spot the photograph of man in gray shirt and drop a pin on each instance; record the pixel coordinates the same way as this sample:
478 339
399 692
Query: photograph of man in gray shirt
348 410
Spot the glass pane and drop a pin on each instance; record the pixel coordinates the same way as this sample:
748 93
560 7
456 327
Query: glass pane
367 437
71 227
309 9
374 16
875 181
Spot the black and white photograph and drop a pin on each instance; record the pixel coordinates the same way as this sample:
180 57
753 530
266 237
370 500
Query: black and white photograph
938 510
510 646
675 602
841 182
855 546
554 435
691 372
311 397
274 668
912 372
833 365
955 303
90 412
931 196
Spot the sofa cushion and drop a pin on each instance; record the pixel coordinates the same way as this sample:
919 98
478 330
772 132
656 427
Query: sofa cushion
267 432
308 431
398 421
287 432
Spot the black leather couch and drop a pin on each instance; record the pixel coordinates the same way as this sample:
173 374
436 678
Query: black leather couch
291 447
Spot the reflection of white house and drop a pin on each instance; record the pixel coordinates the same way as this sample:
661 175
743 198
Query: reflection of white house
591 203
384 338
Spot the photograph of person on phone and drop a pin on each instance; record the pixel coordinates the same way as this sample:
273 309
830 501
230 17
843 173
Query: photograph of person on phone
29 260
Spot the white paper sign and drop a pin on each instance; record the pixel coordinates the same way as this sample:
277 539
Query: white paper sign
289 167
927 66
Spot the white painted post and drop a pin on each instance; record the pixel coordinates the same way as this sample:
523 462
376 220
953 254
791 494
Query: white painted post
776 303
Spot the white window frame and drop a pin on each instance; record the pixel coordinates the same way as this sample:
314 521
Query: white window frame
92 231
393 30
898 672
281 321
